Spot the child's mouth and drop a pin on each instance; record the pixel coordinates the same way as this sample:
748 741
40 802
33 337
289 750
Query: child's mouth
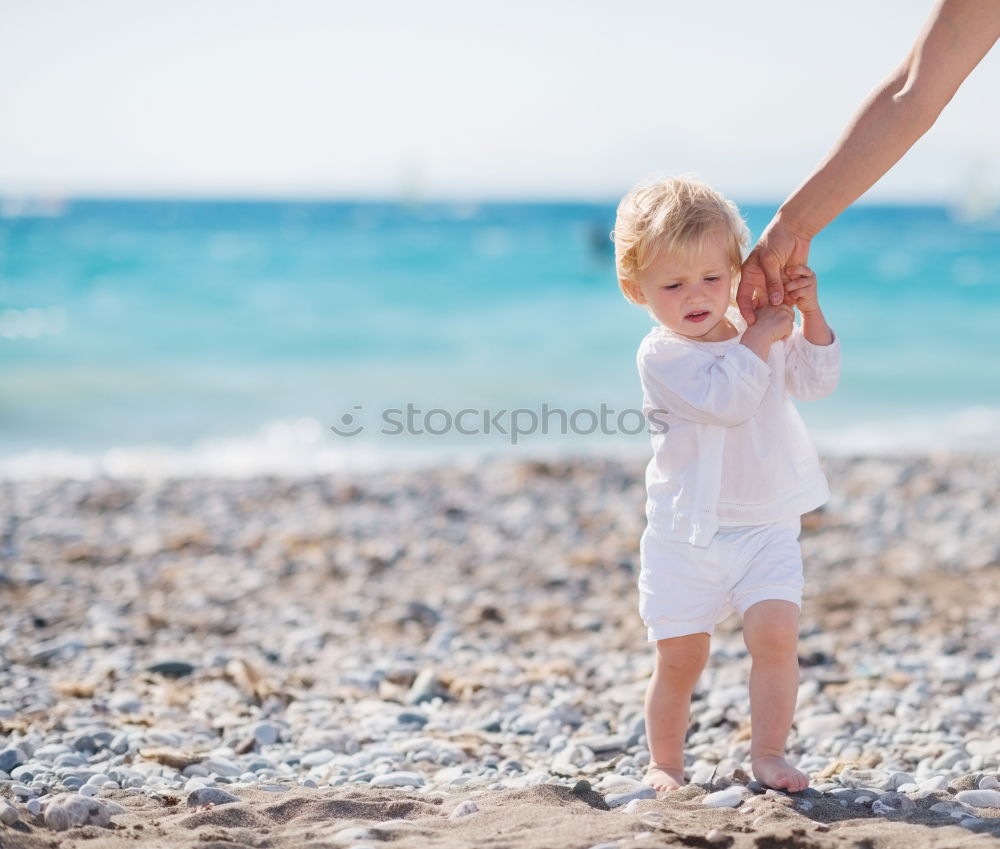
698 315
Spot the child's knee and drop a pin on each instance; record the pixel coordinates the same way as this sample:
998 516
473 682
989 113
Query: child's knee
771 628
683 656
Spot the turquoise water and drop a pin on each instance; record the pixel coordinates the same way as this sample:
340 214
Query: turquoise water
230 335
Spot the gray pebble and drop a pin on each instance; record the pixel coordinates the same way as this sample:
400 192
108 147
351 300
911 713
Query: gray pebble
602 743
210 796
172 669
266 733
125 702
640 791
51 751
11 757
68 811
223 767
8 813
119 743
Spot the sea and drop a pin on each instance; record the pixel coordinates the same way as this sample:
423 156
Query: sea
236 337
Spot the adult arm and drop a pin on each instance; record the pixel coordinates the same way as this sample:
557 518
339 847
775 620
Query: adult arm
956 36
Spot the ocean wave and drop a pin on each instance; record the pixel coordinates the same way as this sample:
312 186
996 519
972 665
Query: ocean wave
297 447
964 430
301 447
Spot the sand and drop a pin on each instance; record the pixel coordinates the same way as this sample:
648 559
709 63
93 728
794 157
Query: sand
533 818
868 587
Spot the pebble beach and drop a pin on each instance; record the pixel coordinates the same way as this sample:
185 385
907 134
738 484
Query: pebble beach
452 656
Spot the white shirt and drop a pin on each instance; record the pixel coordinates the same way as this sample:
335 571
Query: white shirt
736 451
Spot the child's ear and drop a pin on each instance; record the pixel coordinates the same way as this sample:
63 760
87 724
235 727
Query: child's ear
633 291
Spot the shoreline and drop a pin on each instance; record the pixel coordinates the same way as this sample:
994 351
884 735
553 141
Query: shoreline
367 644
158 464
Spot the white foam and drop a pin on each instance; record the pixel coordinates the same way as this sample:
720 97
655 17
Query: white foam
291 448
302 447
967 430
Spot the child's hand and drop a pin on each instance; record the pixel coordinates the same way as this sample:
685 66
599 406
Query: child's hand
800 288
775 322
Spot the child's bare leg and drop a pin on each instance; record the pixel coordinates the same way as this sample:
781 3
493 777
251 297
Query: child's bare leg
771 633
679 662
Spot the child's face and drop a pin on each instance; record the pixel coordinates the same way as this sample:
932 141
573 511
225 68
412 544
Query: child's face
690 293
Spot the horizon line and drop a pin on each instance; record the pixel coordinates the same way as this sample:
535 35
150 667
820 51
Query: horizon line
47 198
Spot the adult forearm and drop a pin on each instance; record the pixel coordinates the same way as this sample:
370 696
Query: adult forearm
886 126
955 37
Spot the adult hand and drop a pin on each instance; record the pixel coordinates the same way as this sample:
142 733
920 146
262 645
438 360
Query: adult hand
778 247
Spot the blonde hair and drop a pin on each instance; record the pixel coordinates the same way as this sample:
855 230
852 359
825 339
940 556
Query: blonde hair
675 214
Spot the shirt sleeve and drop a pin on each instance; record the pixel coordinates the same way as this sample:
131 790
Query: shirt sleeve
811 371
702 387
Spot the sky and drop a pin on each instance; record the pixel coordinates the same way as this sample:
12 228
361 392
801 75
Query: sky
438 99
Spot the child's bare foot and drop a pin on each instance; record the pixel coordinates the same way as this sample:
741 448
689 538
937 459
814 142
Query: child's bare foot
775 771
664 777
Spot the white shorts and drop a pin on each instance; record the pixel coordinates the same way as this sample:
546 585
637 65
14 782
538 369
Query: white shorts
685 589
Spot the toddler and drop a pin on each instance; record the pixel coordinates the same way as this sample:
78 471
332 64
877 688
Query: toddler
732 472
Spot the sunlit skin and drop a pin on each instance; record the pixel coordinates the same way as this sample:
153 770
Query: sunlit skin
689 293
904 106
679 287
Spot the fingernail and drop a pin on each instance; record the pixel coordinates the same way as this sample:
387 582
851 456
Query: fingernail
776 298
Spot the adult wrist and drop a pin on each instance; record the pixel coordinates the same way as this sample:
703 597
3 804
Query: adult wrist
787 219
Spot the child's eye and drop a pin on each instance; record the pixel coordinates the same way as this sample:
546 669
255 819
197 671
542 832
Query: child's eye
713 278
672 286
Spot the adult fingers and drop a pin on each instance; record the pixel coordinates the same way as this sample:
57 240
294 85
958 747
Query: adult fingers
772 276
751 280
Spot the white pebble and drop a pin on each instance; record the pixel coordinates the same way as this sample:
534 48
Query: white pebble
728 798
398 779
463 809
318 758
979 798
934 783
8 813
641 791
